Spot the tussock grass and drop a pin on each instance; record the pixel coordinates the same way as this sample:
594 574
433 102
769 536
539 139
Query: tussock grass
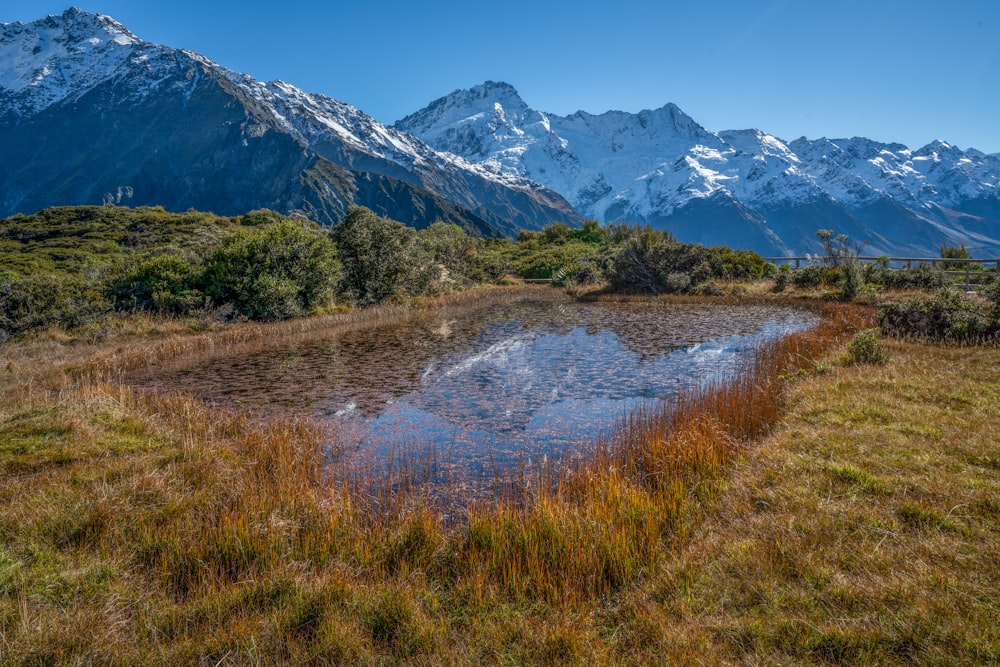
596 528
853 541
144 528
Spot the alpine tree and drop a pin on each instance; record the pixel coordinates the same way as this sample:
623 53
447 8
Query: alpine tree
380 257
274 272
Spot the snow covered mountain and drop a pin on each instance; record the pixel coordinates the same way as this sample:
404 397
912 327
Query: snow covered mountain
744 188
89 113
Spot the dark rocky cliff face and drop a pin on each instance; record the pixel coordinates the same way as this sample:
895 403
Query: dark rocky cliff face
160 126
192 144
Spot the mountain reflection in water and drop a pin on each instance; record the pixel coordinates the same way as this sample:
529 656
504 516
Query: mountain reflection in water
493 389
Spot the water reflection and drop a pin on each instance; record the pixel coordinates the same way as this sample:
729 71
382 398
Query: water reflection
492 390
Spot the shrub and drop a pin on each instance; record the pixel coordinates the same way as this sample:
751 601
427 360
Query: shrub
810 276
921 277
492 262
677 282
650 261
957 252
535 258
851 279
274 272
867 347
451 247
30 302
739 264
992 295
380 257
587 271
261 216
781 280
948 316
165 283
591 232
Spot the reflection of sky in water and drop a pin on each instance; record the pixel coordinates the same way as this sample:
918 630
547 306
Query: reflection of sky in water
534 393
484 388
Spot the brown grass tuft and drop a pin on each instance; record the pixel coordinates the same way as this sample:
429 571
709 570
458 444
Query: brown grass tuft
144 528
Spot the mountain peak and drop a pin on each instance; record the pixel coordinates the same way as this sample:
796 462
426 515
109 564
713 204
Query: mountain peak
673 116
488 98
76 23
497 90
60 55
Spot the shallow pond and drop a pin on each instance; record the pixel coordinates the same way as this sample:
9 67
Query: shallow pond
480 391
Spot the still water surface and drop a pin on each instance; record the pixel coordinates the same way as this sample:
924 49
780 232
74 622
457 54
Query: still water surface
488 390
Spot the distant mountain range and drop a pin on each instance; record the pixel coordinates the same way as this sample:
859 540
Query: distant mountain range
744 187
91 113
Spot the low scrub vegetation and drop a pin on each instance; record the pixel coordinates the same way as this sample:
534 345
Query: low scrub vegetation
867 347
69 267
832 502
948 316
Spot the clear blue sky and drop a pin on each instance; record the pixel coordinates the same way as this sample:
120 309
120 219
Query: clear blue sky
892 70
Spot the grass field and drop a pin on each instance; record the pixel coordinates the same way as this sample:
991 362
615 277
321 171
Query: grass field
813 512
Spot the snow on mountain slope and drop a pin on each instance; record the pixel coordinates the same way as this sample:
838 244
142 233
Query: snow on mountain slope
48 60
62 58
316 119
65 56
647 167
584 157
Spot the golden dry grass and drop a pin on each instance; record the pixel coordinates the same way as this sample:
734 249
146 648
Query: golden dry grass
863 531
807 513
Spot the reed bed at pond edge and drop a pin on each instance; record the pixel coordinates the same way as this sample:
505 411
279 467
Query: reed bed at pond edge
175 526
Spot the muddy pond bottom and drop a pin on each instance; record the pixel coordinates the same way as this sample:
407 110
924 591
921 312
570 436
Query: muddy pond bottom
482 393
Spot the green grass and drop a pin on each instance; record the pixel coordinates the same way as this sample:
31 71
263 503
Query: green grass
847 517
77 240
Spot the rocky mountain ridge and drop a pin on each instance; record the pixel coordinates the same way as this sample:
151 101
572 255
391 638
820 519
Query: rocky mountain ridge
89 110
739 187
91 113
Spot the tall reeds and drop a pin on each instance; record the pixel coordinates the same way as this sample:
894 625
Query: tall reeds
570 533
597 526
227 522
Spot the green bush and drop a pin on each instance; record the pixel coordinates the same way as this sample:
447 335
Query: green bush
867 347
450 247
814 275
948 316
650 261
536 259
949 251
380 258
781 279
274 272
920 277
992 295
31 302
261 216
164 283
492 262
851 279
739 264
